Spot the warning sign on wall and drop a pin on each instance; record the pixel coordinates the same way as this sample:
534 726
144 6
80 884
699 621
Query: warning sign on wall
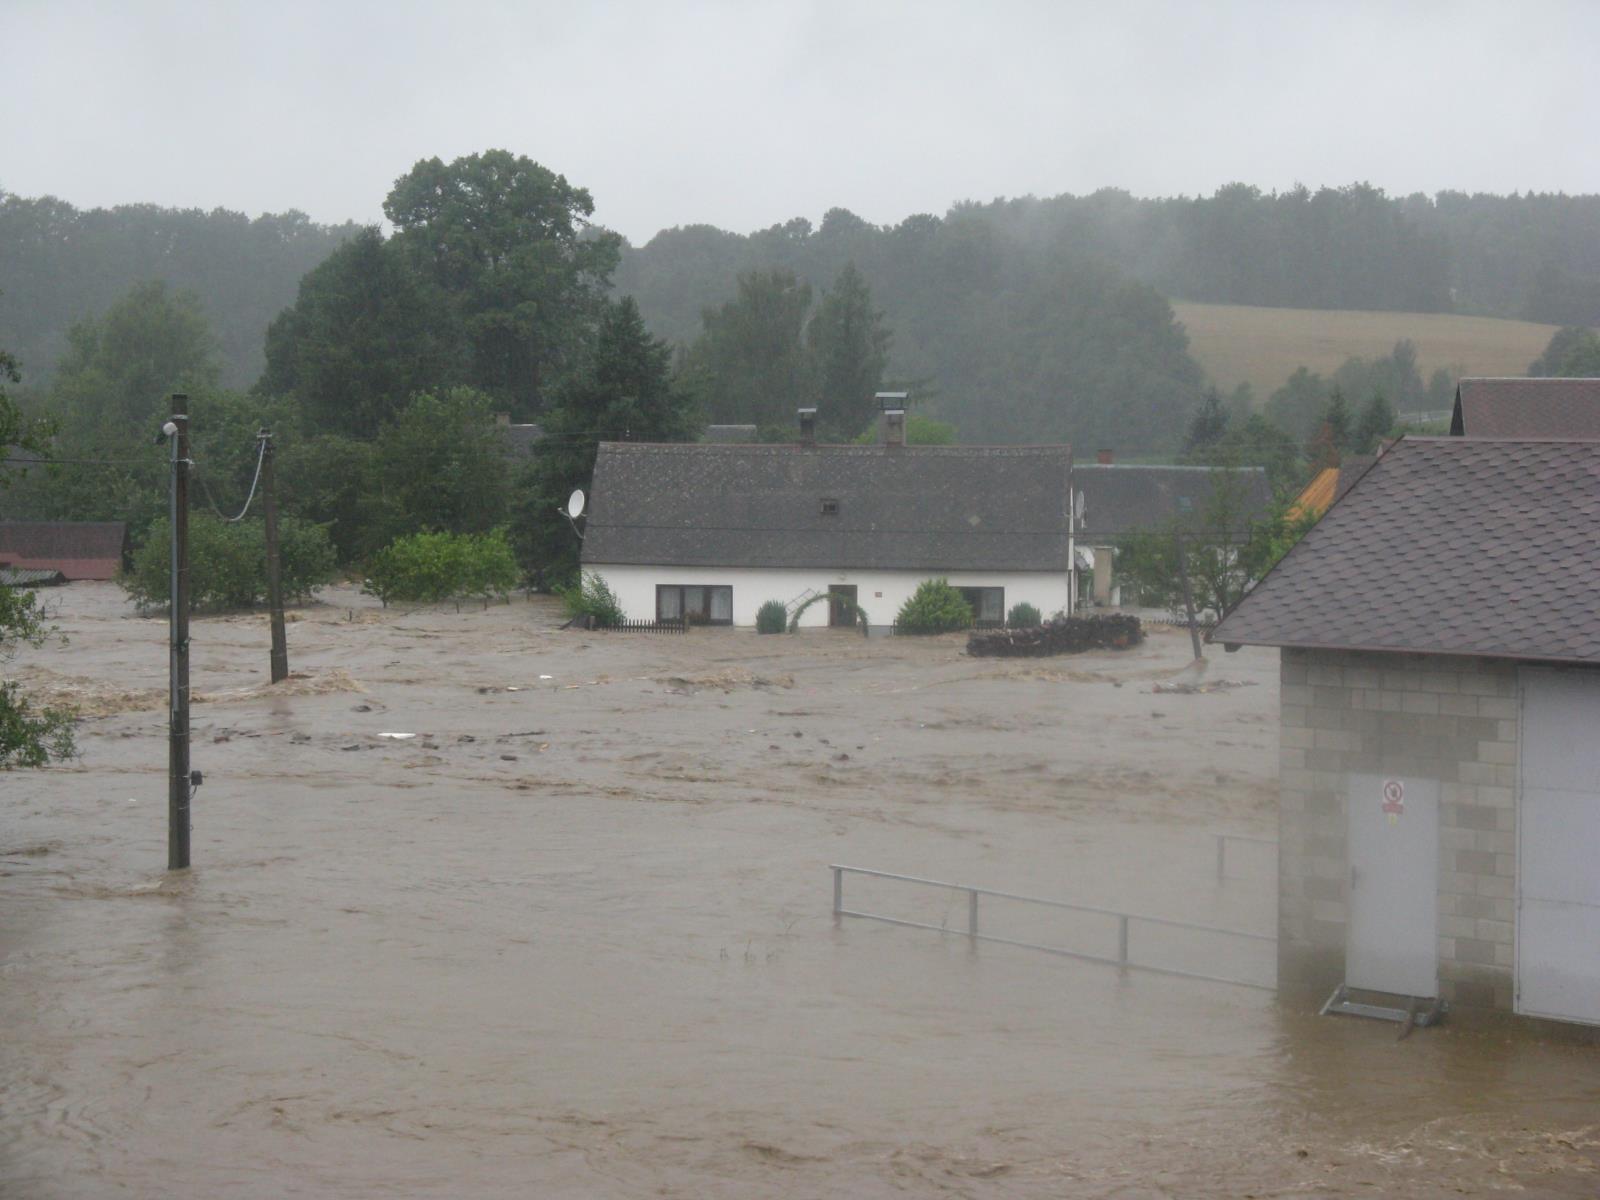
1394 799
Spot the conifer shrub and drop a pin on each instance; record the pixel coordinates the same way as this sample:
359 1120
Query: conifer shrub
935 607
1023 616
772 617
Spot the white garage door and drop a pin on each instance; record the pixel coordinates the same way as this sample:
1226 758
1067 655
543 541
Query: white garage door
1558 847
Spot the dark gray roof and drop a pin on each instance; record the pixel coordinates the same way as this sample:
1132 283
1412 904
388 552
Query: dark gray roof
932 508
519 440
1527 408
1446 546
1118 499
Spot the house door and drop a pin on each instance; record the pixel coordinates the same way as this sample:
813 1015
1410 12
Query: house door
1392 941
841 605
1558 828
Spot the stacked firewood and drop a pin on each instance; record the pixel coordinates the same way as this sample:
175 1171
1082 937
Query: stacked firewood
1060 635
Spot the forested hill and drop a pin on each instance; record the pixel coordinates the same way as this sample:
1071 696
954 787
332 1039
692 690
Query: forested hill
60 265
1526 257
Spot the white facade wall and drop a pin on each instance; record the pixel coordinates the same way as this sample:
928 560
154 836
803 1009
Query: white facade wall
879 593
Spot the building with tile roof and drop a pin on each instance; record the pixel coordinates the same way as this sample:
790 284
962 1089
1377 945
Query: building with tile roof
1440 690
1527 408
1120 499
712 532
78 549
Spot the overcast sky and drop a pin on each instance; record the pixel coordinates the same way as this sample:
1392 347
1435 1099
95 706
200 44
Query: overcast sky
744 114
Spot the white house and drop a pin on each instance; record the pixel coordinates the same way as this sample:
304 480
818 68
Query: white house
712 532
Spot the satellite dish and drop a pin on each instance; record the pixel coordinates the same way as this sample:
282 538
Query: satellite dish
575 504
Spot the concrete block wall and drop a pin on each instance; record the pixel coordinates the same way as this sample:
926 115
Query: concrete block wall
1429 716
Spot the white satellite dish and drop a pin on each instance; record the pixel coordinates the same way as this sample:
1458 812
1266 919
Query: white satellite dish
575 504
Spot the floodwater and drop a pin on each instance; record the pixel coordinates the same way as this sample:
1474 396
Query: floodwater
574 939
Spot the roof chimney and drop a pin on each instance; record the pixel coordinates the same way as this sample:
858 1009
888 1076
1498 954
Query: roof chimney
808 427
892 422
1103 457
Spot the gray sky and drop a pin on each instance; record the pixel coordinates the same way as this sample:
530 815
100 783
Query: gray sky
745 114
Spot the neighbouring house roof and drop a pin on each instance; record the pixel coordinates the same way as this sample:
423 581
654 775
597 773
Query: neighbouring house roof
519 440
1330 485
1446 546
1527 408
29 577
1119 499
933 508
78 549
729 434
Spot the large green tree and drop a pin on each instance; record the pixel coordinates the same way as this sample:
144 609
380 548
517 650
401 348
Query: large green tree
625 391
507 244
364 335
750 363
29 736
849 347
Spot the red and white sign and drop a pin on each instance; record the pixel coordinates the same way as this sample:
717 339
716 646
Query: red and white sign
1394 797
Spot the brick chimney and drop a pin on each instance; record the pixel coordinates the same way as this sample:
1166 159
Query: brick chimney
1104 457
808 426
892 419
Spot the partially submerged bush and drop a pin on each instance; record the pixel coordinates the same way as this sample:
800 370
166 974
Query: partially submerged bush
429 567
772 617
591 596
228 562
1023 616
935 607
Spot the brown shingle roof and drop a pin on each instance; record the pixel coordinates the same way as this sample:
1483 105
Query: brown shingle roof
78 549
1446 546
1527 408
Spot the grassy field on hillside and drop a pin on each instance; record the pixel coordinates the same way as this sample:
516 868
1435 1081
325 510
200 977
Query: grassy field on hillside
1262 346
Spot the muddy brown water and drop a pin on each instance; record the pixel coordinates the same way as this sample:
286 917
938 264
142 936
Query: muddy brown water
574 939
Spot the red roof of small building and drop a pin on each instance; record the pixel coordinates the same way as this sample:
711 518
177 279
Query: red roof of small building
78 549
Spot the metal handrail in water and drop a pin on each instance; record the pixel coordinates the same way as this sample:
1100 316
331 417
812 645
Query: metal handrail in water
1124 919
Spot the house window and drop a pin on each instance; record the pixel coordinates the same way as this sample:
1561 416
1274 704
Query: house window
830 508
696 603
988 604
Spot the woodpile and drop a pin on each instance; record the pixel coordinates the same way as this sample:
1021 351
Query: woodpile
1060 635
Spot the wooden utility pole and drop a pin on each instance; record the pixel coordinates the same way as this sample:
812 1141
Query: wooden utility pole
178 786
269 498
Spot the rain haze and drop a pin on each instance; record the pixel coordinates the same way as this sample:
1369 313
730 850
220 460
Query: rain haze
741 116
799 600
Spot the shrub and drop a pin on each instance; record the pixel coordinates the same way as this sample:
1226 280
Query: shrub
228 562
429 567
592 597
1023 616
935 607
772 617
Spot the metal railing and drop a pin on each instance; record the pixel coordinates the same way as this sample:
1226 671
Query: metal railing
1222 849
1124 921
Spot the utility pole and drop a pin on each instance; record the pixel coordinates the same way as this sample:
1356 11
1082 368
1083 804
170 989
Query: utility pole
269 498
178 785
1188 597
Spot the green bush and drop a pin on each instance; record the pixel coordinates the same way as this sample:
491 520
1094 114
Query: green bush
1023 616
592 597
430 567
935 607
772 617
228 562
